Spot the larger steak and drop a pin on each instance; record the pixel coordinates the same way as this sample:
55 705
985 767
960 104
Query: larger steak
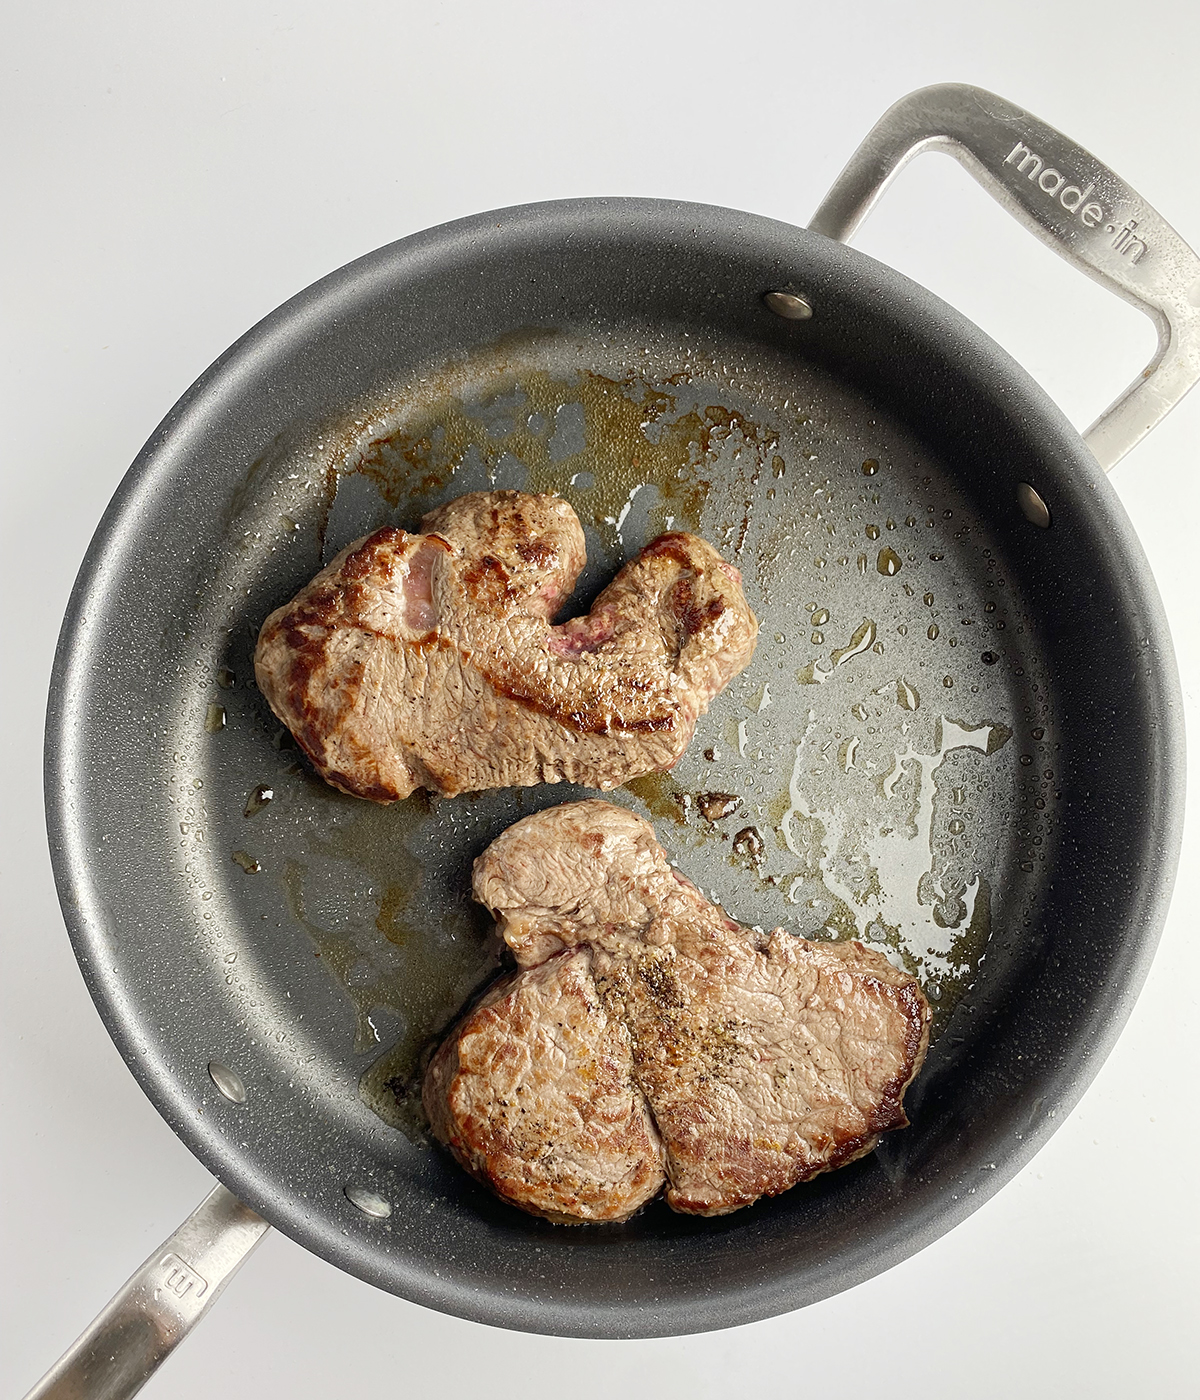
760 1059
431 660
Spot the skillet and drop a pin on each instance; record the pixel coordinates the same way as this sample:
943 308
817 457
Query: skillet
960 738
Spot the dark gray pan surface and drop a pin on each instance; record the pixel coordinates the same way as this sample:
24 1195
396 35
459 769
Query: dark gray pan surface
988 782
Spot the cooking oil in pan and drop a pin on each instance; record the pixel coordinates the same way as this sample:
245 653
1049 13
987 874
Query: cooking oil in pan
863 778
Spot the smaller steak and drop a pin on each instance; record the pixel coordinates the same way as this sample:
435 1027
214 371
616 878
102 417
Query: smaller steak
761 1059
432 661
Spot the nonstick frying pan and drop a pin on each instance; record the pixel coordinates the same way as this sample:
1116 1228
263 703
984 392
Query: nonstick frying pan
960 739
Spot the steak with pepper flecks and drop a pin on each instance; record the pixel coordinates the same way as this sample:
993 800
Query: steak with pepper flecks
648 1038
431 660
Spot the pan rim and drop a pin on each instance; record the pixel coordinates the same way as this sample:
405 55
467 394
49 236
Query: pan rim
84 921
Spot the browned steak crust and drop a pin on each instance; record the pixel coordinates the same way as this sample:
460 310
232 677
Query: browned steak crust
762 1059
431 661
534 1095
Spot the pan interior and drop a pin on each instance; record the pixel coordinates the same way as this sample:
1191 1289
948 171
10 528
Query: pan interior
883 770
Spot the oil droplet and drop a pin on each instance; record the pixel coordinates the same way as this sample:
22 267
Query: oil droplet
247 862
862 563
989 658
820 617
947 682
872 532
890 523
214 717
860 641
226 679
846 753
859 712
1026 760
989 607
928 600
817 638
710 755
958 797
1038 733
777 465
888 562
870 467
907 697
258 799
932 633
956 827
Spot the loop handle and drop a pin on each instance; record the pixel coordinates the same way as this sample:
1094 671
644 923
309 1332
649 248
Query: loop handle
1071 201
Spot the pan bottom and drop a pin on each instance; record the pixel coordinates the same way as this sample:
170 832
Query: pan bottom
883 770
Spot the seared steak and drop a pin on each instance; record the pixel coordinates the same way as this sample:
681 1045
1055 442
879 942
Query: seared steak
763 1059
431 660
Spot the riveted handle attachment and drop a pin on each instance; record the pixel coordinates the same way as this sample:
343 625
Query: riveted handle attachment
1071 201
158 1306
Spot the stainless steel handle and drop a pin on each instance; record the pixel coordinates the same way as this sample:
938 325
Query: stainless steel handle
159 1305
1073 203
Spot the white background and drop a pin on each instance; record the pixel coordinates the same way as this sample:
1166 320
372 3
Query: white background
175 171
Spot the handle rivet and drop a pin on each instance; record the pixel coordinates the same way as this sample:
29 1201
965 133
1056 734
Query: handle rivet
788 305
368 1202
228 1081
1033 508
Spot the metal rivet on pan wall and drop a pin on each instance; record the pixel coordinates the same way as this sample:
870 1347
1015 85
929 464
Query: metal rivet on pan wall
1033 508
368 1202
228 1081
788 305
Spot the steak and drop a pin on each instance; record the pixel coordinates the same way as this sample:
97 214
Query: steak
759 1060
431 660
